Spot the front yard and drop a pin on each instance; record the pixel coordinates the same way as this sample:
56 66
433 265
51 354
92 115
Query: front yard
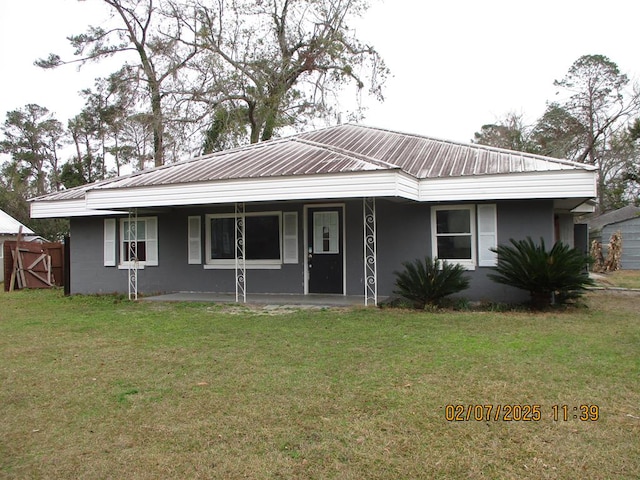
96 387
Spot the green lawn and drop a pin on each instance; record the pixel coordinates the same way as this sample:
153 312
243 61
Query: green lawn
103 388
621 279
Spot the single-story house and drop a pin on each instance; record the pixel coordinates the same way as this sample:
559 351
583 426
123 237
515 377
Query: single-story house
9 229
626 220
331 211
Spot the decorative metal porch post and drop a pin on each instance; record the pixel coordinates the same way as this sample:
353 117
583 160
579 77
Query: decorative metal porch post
241 279
132 254
370 259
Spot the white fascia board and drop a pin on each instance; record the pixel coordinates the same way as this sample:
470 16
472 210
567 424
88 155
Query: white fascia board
66 208
549 184
312 187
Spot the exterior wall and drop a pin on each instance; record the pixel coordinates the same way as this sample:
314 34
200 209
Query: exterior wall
173 273
403 234
564 229
630 230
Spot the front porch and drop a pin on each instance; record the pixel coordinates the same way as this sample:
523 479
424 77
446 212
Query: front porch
316 300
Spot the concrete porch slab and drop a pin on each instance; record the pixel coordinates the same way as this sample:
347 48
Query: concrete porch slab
263 299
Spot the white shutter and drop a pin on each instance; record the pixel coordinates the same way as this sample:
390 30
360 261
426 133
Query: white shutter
109 242
152 241
487 235
290 237
195 238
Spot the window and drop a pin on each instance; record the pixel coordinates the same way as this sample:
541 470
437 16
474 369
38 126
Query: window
454 234
134 244
262 237
454 231
139 239
325 232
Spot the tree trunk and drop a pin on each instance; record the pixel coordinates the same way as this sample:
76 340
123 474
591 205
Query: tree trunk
157 124
540 300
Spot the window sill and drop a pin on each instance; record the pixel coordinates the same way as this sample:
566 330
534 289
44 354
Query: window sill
126 266
248 266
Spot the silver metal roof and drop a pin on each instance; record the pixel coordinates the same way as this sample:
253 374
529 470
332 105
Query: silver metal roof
334 150
11 226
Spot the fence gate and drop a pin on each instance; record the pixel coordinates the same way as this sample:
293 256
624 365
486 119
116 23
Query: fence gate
37 265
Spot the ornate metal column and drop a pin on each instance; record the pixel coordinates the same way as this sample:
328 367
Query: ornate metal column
241 285
370 269
132 254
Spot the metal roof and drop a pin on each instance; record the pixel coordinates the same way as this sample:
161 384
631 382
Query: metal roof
334 150
615 216
11 226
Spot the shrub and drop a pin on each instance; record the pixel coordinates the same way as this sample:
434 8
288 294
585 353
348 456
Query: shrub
551 277
426 283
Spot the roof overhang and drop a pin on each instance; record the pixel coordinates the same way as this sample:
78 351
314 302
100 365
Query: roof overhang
101 200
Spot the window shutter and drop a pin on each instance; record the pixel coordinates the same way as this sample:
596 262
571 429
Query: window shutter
195 238
152 241
109 242
487 235
290 237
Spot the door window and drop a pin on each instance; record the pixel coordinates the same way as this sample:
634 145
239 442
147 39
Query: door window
325 232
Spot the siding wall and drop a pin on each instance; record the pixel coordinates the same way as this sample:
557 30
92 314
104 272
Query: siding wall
403 232
630 230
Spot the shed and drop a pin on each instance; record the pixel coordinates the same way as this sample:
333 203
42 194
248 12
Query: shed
9 228
627 221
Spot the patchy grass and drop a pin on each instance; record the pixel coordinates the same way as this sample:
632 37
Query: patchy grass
620 279
94 387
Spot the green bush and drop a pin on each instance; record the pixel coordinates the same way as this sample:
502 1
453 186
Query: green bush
551 277
426 283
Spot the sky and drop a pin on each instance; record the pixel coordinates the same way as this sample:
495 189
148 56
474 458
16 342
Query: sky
455 64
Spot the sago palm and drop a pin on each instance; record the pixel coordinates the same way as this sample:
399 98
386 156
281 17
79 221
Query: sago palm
554 276
428 282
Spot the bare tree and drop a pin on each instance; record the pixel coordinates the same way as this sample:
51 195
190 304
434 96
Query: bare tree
144 29
277 63
601 103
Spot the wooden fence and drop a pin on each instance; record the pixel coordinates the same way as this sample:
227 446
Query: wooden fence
39 265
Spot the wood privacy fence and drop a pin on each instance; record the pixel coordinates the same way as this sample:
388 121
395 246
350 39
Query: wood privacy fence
39 265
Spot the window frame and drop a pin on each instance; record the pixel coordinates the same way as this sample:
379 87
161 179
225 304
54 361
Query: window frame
217 263
151 251
468 263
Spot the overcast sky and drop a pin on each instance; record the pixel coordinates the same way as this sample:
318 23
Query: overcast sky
455 65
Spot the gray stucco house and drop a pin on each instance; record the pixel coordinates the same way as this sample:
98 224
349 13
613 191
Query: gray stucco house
331 211
626 220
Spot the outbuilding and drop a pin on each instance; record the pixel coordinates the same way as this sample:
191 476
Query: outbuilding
9 229
625 220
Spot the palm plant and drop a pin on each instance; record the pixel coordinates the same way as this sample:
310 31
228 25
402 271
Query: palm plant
428 282
551 277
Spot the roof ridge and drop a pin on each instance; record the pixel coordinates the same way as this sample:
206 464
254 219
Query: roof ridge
348 153
479 146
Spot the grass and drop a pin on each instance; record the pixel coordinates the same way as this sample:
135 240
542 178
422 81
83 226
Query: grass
621 279
94 387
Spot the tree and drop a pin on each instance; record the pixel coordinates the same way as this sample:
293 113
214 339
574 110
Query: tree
510 133
280 62
557 133
588 124
599 101
227 130
160 54
32 137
